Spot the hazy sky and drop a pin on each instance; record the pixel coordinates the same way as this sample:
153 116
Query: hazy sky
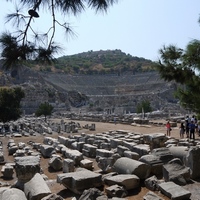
136 27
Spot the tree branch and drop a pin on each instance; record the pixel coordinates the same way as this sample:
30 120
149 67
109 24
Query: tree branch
54 23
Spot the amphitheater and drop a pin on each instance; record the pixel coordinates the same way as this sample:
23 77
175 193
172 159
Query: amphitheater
112 93
107 84
119 94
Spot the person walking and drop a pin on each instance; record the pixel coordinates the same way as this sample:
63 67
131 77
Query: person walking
168 126
115 120
187 129
192 130
182 130
198 128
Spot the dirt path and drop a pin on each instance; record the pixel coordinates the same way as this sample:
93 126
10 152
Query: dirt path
142 129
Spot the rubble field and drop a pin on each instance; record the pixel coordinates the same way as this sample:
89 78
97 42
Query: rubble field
91 159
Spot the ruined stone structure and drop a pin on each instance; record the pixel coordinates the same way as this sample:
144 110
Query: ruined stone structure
165 167
112 93
119 94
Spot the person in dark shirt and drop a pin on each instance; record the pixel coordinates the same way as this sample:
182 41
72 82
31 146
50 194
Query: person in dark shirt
187 129
182 130
192 130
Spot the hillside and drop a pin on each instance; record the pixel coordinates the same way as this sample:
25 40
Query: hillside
99 62
113 92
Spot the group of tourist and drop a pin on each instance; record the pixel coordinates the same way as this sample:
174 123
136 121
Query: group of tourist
190 127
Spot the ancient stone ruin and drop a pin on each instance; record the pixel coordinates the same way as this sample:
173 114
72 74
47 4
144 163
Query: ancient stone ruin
126 161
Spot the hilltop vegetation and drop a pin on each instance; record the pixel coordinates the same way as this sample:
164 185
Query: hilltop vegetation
99 62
